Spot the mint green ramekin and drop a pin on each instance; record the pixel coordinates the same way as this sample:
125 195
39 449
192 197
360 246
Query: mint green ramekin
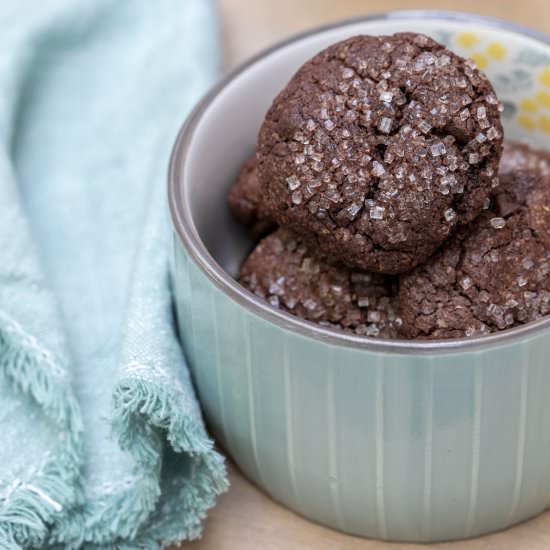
399 440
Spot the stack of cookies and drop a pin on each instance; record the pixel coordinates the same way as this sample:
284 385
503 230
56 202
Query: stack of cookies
387 202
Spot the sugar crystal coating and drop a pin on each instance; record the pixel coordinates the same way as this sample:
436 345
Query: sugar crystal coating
497 222
290 276
394 132
494 273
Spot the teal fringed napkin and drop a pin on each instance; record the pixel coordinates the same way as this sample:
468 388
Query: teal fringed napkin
102 441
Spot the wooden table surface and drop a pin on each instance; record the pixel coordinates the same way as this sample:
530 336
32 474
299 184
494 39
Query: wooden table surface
245 518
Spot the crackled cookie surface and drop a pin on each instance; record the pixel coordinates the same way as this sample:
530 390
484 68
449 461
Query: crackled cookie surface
493 274
286 273
378 148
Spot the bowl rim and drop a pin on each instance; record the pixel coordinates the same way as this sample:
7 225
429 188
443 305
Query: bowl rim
188 236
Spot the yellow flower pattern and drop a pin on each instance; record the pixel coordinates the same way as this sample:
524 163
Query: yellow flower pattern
544 123
481 52
496 51
467 39
532 112
529 106
481 60
544 77
527 122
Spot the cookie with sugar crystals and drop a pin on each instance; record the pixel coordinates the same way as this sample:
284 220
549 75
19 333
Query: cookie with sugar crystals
378 148
292 277
493 274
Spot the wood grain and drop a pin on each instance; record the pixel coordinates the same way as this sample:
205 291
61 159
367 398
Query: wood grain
245 518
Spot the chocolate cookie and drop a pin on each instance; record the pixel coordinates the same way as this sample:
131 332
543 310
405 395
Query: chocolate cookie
283 271
519 156
493 274
379 147
245 200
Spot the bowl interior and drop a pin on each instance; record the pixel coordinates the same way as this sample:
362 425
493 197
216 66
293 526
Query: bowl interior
225 133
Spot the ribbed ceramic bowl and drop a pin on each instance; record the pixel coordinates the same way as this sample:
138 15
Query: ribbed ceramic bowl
401 440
